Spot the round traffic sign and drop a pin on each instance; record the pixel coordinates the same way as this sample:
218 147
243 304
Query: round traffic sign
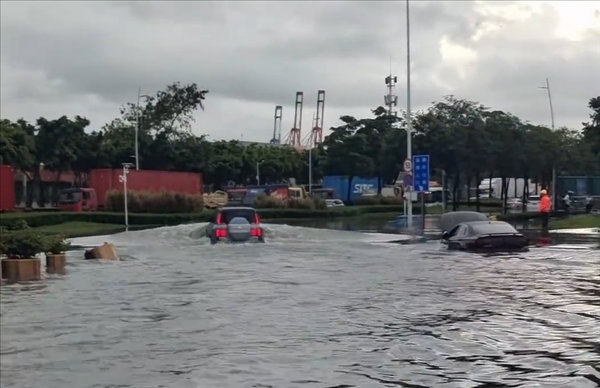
407 165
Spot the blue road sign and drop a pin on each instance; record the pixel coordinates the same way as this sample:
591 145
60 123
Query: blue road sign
421 172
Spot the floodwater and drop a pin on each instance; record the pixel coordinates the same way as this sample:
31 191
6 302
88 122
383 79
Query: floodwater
311 308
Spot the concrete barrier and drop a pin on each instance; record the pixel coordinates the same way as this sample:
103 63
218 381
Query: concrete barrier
105 251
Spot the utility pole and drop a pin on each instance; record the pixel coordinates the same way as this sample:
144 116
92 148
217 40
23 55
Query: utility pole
310 147
409 208
554 196
137 129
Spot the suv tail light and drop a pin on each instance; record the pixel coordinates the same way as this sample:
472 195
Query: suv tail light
256 218
219 218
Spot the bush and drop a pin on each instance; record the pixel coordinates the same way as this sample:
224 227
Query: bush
165 202
378 200
57 244
23 244
266 202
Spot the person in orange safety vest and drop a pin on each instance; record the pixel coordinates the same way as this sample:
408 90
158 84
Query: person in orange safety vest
545 207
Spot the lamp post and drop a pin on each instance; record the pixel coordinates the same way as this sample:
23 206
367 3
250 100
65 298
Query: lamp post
310 172
258 171
123 179
547 87
408 111
137 126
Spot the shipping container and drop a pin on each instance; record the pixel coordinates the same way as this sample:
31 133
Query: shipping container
7 189
580 185
358 186
104 180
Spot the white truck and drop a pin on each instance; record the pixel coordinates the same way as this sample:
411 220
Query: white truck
492 188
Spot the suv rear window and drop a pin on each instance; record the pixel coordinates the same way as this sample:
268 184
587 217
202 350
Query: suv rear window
230 214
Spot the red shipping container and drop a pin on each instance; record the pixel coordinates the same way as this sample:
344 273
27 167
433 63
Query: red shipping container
7 189
104 180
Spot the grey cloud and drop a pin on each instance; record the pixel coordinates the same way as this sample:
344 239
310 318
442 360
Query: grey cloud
336 39
266 51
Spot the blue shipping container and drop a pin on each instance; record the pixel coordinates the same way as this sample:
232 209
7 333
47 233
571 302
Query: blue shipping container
339 184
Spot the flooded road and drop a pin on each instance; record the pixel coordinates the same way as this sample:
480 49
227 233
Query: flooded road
311 308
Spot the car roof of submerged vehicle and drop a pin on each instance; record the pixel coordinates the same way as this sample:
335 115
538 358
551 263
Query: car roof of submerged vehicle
490 227
449 221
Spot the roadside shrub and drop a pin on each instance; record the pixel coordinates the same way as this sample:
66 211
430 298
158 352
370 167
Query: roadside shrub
265 202
19 225
57 244
378 200
23 244
157 203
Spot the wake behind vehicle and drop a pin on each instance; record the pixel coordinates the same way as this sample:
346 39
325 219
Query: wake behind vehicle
235 224
471 231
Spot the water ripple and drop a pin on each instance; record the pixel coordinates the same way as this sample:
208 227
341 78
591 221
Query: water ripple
312 308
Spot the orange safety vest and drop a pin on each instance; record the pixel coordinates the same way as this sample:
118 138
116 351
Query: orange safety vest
545 204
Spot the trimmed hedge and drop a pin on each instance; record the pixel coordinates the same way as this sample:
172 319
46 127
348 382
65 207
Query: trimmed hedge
154 202
36 219
265 202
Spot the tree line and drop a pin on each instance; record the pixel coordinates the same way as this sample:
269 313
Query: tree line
466 139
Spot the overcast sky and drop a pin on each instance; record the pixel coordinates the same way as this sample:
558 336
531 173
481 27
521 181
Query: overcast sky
89 58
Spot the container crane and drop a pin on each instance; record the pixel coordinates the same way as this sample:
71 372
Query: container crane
316 136
294 136
277 125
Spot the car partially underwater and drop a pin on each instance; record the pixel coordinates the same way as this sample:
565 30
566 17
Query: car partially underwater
472 231
235 224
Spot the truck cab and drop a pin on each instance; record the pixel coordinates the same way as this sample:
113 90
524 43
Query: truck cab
77 199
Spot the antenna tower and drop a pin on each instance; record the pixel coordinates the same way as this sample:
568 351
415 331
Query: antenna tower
277 125
390 99
294 136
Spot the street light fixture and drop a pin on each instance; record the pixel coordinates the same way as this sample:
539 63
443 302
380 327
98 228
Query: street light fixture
258 171
123 179
547 87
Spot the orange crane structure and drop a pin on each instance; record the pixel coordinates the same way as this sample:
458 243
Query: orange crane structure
315 137
294 136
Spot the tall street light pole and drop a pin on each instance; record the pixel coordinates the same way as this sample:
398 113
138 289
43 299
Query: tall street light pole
547 87
310 171
137 127
408 112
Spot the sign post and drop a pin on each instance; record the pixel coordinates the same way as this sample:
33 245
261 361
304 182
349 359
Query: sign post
421 178
123 179
407 165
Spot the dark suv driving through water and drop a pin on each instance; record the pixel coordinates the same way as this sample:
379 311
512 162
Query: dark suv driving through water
235 224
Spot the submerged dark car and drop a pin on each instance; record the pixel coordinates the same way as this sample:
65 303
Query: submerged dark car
450 220
497 236
235 224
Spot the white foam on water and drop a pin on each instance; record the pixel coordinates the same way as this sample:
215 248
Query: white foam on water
582 231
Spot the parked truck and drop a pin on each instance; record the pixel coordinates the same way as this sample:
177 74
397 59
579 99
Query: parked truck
350 192
7 189
492 188
101 181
